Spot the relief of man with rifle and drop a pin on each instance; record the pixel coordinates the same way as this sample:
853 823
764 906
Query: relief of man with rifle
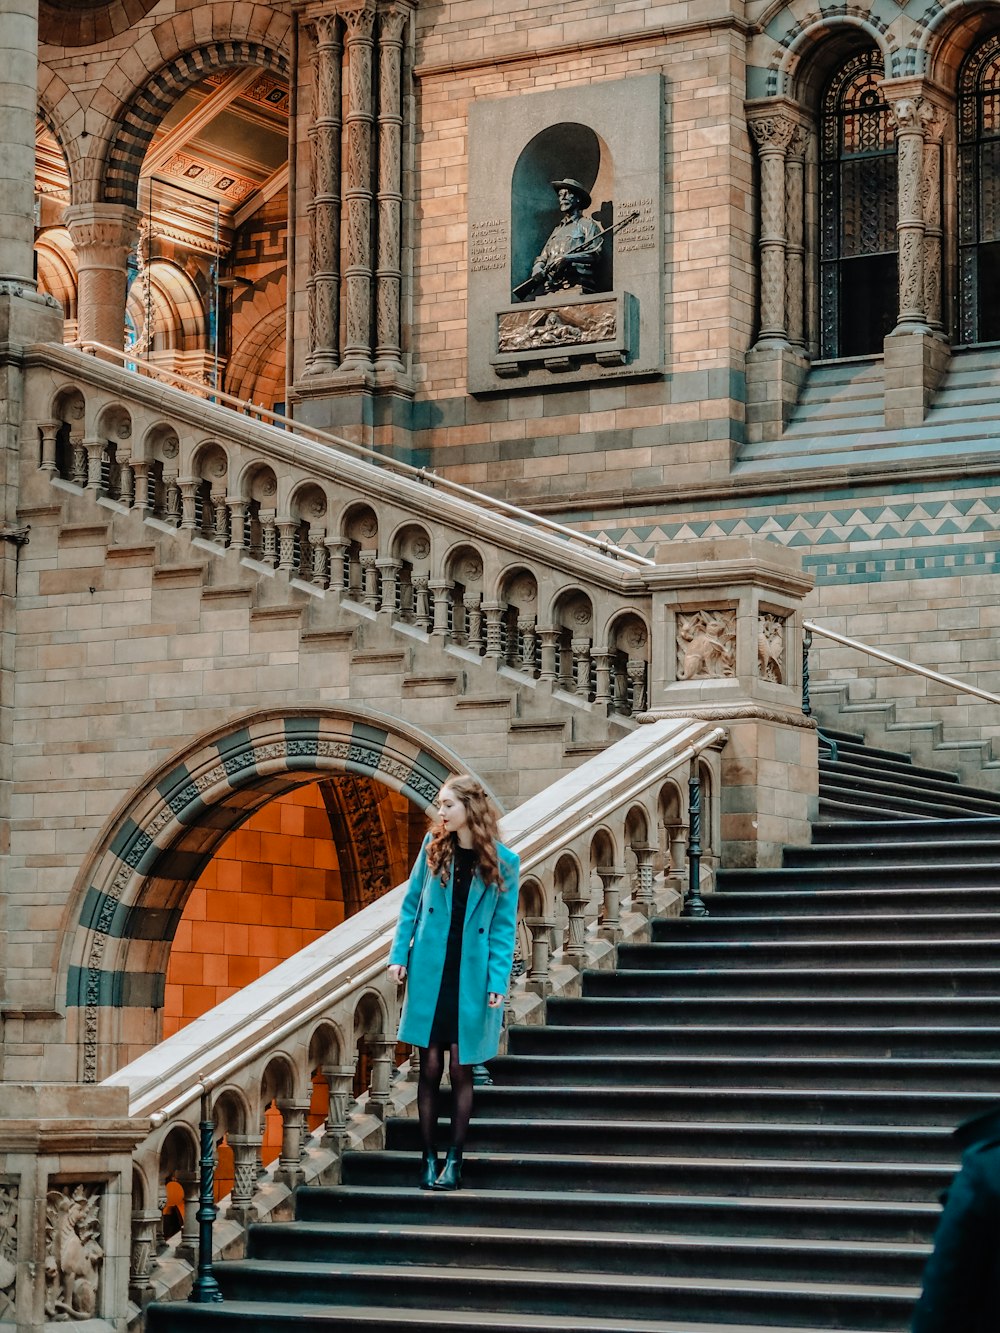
569 258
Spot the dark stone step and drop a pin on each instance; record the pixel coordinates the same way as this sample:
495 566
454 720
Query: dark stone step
613 1040
631 1070
952 830
877 795
951 874
250 1317
795 953
941 991
921 784
747 897
803 928
804 1105
828 1305
634 1212
617 1137
979 849
511 1242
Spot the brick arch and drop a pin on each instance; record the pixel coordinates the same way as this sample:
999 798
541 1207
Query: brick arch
803 38
138 120
131 892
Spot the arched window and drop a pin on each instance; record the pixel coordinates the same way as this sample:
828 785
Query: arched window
858 282
979 194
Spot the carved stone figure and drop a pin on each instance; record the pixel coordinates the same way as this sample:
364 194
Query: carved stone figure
8 1249
73 1253
568 261
771 648
706 645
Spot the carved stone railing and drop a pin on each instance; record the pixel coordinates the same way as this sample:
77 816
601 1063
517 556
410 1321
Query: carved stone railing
595 852
387 540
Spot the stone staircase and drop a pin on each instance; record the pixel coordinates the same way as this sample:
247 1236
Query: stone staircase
744 1127
839 419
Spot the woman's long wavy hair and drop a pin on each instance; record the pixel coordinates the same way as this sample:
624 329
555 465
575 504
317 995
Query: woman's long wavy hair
482 825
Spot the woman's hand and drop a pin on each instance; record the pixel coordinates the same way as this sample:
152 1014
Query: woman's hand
398 973
495 1000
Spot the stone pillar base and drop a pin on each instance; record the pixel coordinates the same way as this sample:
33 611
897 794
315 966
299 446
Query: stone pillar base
769 782
775 375
915 364
27 317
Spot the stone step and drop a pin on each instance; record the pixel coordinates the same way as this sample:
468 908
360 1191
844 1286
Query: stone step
951 988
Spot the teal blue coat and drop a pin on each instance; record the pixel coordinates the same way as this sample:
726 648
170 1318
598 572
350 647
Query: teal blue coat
487 953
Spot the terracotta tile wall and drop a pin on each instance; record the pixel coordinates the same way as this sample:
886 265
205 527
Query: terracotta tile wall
272 888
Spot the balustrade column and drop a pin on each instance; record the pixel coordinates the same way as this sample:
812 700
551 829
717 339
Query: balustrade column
187 1244
220 517
340 1081
389 573
474 626
189 505
602 689
642 892
421 601
126 481
611 883
238 510
678 849
772 133
528 639
580 680
575 948
443 591
359 21
550 642
538 979
287 530
49 429
911 115
369 580
324 206
636 672
317 557
95 464
388 274
795 249
494 629
103 236
245 1148
336 547
140 482
268 537
293 1123
378 1096
140 1289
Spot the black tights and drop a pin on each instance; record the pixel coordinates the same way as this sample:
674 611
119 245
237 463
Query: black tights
431 1071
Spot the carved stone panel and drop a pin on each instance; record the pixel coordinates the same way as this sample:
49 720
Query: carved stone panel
594 320
706 644
73 1252
8 1250
771 647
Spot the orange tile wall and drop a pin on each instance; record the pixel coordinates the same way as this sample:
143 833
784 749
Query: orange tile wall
271 889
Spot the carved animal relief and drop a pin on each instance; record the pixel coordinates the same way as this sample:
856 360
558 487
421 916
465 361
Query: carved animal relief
73 1252
706 645
8 1250
771 648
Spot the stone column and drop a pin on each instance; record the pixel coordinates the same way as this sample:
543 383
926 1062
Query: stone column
359 21
378 1096
795 248
538 979
245 1148
772 134
642 891
324 206
340 1081
575 947
442 592
103 236
910 115
916 354
293 1123
140 1288
18 108
187 1243
611 882
388 274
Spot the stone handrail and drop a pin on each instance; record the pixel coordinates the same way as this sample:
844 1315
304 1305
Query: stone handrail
901 663
424 475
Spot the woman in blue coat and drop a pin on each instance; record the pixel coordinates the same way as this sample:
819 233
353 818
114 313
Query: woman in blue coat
455 945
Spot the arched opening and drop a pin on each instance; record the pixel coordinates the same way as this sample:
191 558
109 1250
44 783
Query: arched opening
978 195
376 784
858 211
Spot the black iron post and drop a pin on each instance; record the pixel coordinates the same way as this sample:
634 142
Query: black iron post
694 904
826 743
205 1290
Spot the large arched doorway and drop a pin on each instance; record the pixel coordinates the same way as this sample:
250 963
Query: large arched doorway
133 891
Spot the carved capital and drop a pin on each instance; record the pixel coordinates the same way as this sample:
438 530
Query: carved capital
773 133
359 19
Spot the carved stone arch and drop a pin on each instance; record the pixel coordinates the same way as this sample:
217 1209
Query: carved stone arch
365 836
531 897
637 825
810 48
568 874
360 524
131 890
136 121
411 542
259 482
465 563
179 318
947 34
210 460
629 631
58 108
327 1044
280 1077
309 501
231 1111
178 1150
256 370
518 585
57 275
603 847
574 607
370 1014
114 422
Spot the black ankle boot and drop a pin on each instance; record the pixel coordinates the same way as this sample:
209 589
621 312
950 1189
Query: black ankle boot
428 1170
451 1173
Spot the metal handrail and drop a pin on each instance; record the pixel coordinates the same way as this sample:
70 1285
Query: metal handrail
425 475
901 663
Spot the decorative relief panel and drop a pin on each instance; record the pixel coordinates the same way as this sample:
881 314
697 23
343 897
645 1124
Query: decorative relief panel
8 1250
706 644
771 648
73 1252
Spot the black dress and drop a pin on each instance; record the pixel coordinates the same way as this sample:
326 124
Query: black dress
444 1029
